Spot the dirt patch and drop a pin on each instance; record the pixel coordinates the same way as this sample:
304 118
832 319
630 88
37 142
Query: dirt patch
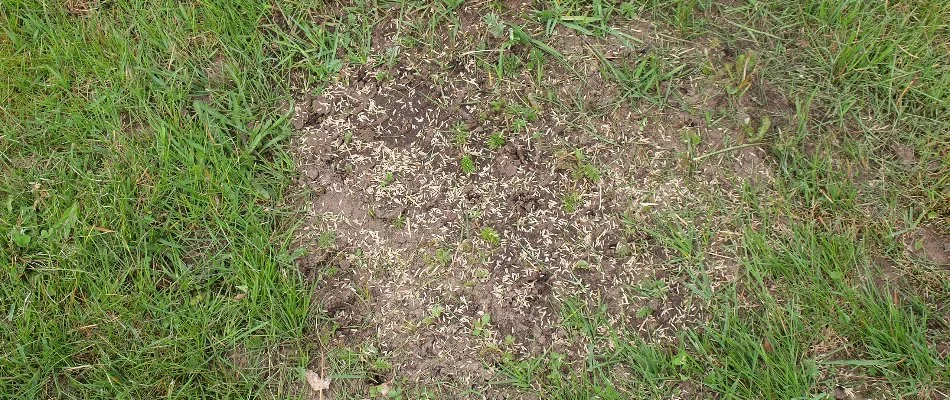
454 212
930 244
905 155
437 248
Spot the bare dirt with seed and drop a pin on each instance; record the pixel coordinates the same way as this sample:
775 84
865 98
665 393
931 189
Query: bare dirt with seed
414 255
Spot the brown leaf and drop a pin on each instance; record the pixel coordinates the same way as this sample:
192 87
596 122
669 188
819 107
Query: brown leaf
317 383
767 345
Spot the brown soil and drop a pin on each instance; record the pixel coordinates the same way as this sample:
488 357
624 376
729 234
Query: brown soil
406 234
931 244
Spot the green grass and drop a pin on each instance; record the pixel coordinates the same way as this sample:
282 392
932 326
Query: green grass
146 225
631 369
876 70
142 156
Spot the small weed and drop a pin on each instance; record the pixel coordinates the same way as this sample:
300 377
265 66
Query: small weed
644 312
495 25
451 5
692 140
642 80
388 179
757 134
392 55
684 17
653 288
462 134
490 236
587 171
519 125
497 105
583 169
386 391
525 112
495 141
582 265
679 359
628 10
399 222
474 214
443 255
741 73
517 36
571 201
20 237
480 326
381 365
509 64
467 164
326 239
624 250
434 313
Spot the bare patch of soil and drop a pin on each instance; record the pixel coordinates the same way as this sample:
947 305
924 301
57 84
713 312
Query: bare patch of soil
931 244
453 212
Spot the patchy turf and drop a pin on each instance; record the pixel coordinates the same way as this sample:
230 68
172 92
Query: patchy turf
489 199
464 190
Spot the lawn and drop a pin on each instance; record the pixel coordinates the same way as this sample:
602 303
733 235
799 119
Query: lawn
475 199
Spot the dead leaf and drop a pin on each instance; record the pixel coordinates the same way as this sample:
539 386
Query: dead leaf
767 346
317 383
